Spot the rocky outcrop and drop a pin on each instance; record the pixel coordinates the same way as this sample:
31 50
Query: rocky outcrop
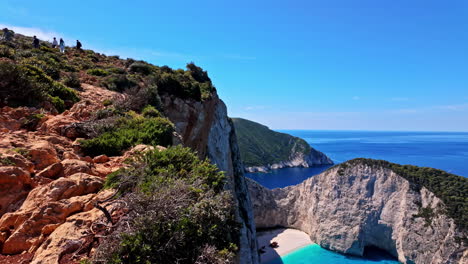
297 159
347 209
206 128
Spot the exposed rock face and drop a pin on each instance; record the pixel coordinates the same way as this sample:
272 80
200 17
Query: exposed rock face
206 128
297 159
347 209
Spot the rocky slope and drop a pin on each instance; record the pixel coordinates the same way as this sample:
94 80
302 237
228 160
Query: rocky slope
349 208
50 191
263 149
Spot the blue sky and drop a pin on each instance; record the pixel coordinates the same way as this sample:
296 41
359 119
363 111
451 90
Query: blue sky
328 64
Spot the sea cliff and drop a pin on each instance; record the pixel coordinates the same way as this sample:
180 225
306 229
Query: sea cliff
263 149
357 205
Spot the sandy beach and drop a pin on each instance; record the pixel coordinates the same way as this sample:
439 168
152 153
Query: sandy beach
287 239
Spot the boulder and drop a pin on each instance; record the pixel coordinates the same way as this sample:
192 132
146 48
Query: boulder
43 154
101 159
53 171
45 207
72 166
15 183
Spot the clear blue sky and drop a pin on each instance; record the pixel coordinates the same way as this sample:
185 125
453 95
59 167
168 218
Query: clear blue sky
328 64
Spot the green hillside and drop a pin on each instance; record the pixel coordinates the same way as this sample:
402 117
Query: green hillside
261 146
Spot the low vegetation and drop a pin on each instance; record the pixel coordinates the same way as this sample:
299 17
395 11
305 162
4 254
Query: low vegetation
260 146
129 131
178 212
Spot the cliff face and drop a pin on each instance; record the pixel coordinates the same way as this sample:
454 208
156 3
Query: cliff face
296 159
263 149
348 209
207 129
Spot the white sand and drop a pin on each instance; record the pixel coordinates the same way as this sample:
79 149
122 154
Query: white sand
288 240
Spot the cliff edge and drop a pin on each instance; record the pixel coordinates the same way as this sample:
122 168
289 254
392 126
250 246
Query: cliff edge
366 203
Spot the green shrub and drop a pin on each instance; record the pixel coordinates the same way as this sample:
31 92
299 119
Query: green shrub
17 88
107 102
150 111
7 52
118 82
72 81
178 210
141 67
129 132
32 121
98 72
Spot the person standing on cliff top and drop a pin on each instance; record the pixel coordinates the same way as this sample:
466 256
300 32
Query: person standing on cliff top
62 45
54 43
35 42
7 36
78 45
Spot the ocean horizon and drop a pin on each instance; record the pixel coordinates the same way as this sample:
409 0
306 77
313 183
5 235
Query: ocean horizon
446 151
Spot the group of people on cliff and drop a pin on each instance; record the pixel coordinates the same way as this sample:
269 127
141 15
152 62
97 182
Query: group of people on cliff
8 36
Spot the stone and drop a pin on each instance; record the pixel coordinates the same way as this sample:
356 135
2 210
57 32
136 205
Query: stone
15 183
53 171
101 159
43 154
72 166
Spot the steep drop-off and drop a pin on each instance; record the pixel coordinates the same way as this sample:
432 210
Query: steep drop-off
86 103
263 149
361 204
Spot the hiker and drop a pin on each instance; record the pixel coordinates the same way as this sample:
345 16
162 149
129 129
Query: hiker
54 43
35 42
7 34
78 45
62 45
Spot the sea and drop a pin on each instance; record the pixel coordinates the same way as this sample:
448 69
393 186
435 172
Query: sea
441 150
447 151
314 254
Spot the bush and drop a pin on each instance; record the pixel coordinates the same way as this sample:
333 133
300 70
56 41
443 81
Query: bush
129 132
98 72
17 88
118 82
32 121
140 67
150 111
72 81
7 52
178 211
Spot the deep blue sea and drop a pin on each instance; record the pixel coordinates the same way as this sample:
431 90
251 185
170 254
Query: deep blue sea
441 150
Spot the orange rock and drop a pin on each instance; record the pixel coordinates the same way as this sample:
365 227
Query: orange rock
72 166
20 161
47 205
43 154
14 185
52 171
101 159
70 155
87 159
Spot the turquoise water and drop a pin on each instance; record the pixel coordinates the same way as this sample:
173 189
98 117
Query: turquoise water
314 254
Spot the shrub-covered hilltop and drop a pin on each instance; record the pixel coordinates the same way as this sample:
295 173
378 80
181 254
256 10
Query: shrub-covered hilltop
170 204
450 188
263 149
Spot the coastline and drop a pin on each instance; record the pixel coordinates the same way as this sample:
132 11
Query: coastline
288 240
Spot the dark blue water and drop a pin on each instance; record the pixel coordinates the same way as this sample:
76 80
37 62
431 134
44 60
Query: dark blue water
442 150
